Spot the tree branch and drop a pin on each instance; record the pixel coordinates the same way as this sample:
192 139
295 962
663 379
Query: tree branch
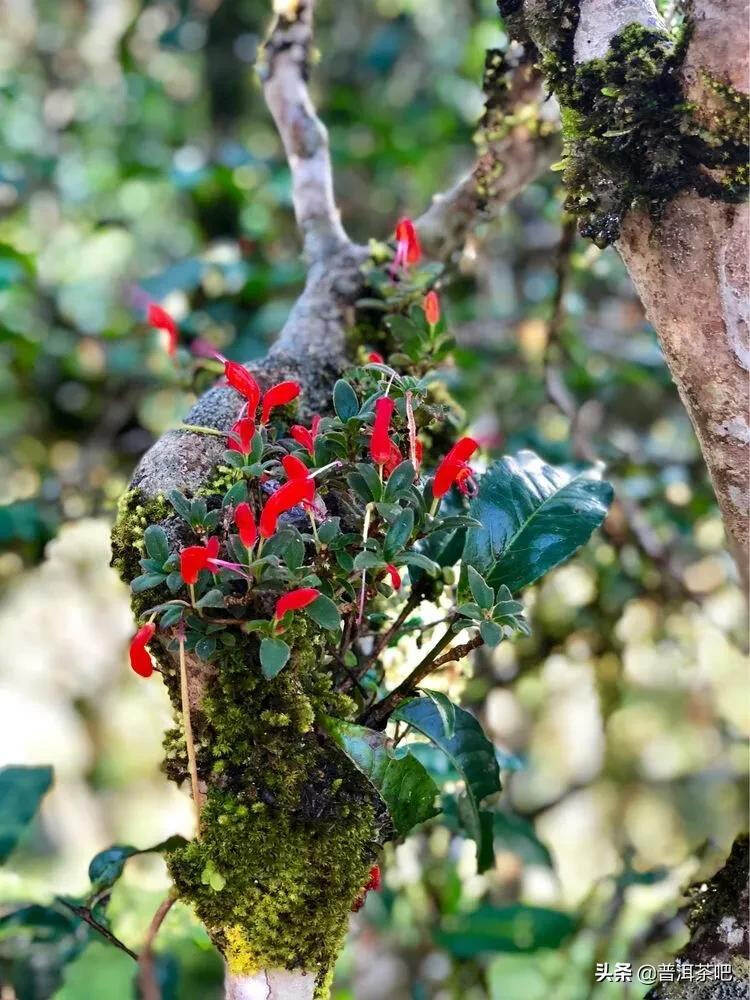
516 141
284 66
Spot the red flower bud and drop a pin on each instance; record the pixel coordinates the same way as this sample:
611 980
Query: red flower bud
408 249
375 358
140 658
161 320
240 437
294 467
394 458
278 395
431 306
374 882
289 495
295 600
395 576
240 379
245 521
307 437
380 442
195 558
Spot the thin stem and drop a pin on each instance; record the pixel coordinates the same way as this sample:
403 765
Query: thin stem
85 914
190 746
382 709
197 429
365 532
314 527
147 981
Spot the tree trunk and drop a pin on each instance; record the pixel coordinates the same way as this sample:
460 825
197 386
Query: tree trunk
273 984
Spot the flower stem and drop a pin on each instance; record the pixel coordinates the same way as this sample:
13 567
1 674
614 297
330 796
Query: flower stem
363 588
189 745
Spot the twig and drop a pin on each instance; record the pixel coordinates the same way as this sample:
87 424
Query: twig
284 66
147 982
382 709
83 913
383 640
458 652
188 726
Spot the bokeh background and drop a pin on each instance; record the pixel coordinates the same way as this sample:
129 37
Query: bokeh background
136 153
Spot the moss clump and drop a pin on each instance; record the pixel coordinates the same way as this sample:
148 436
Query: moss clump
135 511
630 137
289 824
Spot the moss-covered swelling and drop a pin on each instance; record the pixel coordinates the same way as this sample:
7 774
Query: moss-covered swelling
631 139
289 827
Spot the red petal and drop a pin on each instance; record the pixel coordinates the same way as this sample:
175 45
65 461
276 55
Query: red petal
245 521
278 395
241 435
140 658
240 379
294 467
375 358
395 576
304 437
380 442
295 600
285 498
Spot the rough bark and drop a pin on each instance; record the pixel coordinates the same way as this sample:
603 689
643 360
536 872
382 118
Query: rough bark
691 272
717 917
689 267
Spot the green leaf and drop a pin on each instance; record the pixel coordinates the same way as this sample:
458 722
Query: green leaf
235 494
147 581
482 594
359 485
372 479
367 560
472 611
468 749
399 532
325 613
180 503
402 782
205 647
213 878
513 928
417 559
478 825
345 401
491 633
273 656
446 710
399 480
294 553
157 543
107 866
211 599
21 791
171 616
328 530
534 516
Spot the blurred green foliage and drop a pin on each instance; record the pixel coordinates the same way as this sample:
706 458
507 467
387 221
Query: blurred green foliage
137 159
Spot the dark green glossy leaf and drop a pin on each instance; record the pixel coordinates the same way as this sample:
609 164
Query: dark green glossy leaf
180 503
399 480
402 782
417 559
235 494
147 581
399 532
534 516
21 791
107 866
211 599
512 928
446 710
469 750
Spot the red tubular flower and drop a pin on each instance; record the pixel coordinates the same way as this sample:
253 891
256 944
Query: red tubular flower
161 320
307 437
380 442
395 576
295 492
240 379
278 395
465 482
195 558
431 306
374 881
295 600
245 521
375 358
452 466
408 249
294 467
140 658
240 437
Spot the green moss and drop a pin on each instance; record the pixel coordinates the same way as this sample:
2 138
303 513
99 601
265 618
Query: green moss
631 140
288 822
135 512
